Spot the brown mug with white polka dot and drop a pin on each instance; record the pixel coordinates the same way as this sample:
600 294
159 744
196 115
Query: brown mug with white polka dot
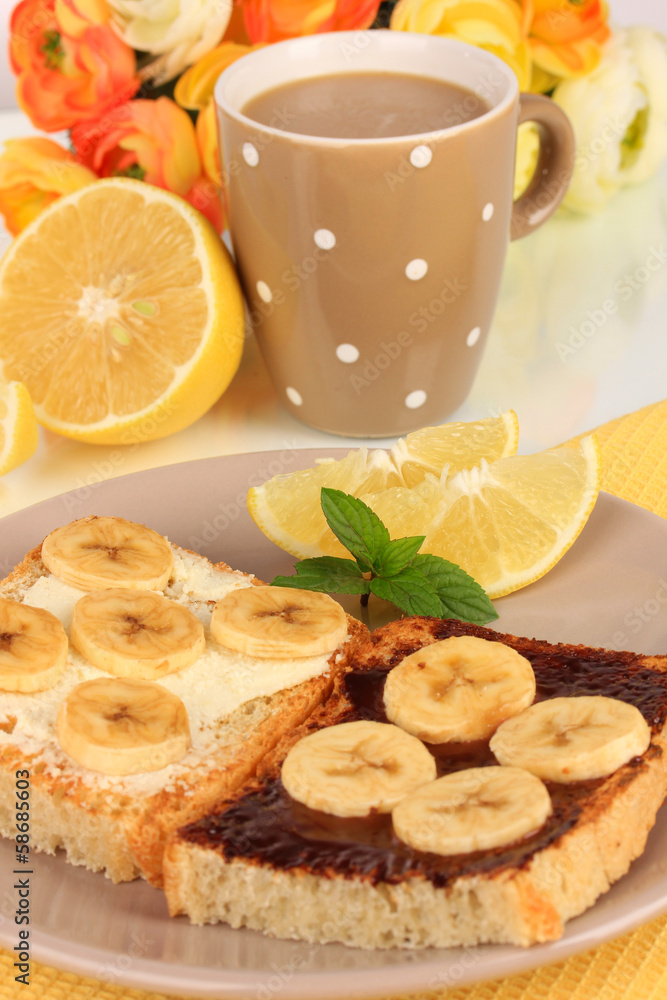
371 265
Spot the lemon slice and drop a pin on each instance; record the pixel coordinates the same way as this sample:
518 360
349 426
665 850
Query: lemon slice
121 311
506 523
287 508
456 445
18 426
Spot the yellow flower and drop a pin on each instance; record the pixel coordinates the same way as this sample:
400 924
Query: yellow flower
499 26
527 154
33 173
207 142
566 36
194 89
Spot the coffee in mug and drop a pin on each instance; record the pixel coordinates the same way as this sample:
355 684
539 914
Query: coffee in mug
365 105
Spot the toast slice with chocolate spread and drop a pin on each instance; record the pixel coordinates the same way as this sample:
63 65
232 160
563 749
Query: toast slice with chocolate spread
266 861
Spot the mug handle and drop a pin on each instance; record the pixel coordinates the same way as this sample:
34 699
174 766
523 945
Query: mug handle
555 164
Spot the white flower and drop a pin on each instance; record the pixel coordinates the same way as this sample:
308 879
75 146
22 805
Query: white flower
179 32
619 116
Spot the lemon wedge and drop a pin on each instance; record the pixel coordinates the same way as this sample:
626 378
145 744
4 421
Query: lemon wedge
287 508
18 426
455 445
506 522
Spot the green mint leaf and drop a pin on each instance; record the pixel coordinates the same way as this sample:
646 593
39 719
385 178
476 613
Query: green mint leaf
356 526
460 595
410 591
328 574
398 554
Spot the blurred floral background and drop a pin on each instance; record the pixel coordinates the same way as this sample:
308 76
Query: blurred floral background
126 86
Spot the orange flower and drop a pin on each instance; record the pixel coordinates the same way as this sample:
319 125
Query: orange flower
566 36
33 173
70 63
273 20
236 30
205 196
154 141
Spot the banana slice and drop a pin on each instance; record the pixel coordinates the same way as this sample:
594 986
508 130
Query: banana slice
356 768
573 739
33 647
123 726
473 810
278 622
100 552
134 633
458 689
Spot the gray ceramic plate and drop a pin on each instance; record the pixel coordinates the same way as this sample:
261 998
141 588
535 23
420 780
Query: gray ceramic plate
610 590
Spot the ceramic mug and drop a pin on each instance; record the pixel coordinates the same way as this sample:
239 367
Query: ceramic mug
372 266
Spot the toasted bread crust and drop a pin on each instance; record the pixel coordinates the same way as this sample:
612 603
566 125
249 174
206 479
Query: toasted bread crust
124 835
522 902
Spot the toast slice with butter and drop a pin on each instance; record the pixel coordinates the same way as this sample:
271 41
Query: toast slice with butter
279 862
135 612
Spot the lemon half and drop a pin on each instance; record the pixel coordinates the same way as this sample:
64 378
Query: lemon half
121 311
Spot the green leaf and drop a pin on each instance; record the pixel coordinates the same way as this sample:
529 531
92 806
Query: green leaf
418 584
328 574
54 53
356 526
460 595
135 170
398 554
410 591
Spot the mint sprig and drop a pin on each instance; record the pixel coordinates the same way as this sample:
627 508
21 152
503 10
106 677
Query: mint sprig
392 569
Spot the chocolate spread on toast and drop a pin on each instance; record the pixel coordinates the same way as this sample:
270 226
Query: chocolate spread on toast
267 826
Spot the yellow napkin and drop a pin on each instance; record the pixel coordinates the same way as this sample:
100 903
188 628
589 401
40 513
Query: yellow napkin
634 967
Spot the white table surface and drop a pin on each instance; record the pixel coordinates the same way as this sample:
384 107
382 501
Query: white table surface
555 284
